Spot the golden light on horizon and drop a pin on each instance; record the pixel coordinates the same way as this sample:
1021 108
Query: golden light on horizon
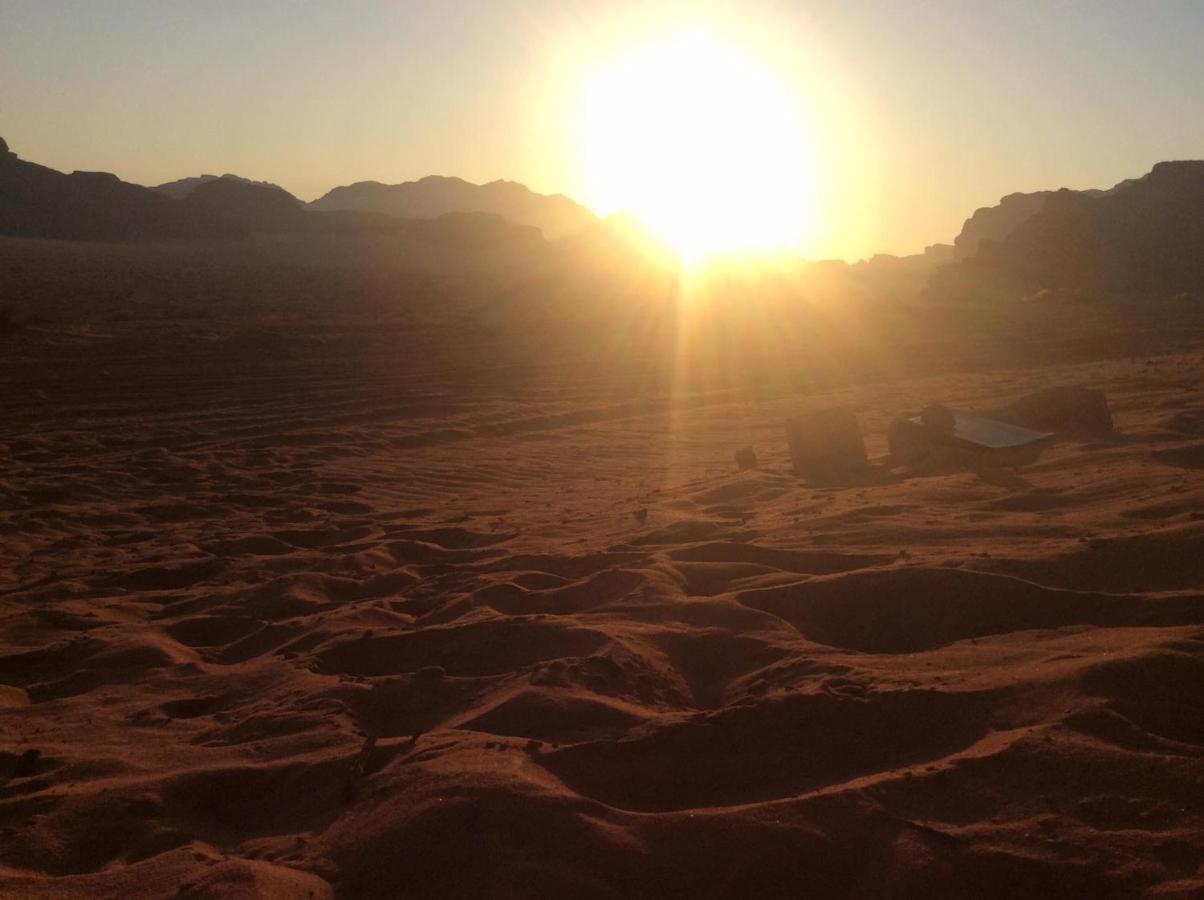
702 141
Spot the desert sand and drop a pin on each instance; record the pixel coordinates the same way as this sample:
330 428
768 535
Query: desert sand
314 584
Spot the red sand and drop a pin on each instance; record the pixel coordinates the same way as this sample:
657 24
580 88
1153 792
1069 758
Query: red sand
597 661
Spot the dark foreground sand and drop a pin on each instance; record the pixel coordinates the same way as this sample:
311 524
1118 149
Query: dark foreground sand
300 609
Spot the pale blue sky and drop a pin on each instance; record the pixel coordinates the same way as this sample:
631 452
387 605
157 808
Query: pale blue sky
963 101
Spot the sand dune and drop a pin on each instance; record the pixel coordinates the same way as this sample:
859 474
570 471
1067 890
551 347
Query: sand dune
330 618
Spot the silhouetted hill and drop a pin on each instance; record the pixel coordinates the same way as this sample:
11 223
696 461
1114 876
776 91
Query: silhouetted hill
36 201
240 205
1145 234
182 187
434 196
995 223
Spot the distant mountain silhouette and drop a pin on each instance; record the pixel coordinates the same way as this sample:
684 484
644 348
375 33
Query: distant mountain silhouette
434 196
182 187
995 223
240 205
36 201
1145 234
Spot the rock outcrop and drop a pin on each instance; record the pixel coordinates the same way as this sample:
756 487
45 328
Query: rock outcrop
1145 235
995 223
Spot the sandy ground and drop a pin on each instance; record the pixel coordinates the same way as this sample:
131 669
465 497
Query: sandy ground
294 605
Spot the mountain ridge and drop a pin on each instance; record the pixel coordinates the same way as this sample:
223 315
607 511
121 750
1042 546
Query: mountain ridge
1143 235
434 195
182 187
40 202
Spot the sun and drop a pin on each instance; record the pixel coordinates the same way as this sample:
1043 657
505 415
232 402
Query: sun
702 142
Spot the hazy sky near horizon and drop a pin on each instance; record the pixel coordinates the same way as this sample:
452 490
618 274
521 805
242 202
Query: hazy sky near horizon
947 105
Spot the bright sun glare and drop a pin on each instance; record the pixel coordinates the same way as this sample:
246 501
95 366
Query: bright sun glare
701 142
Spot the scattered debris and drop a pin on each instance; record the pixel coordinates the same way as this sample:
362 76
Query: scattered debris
1008 436
826 445
913 439
746 458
